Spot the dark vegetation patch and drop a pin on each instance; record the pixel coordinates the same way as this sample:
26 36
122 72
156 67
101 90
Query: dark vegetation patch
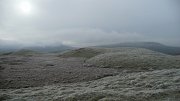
2 67
50 65
8 53
4 97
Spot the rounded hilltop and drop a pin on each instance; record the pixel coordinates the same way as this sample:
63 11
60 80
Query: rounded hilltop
125 57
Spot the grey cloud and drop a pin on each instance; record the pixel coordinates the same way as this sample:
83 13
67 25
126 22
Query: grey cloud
91 22
74 37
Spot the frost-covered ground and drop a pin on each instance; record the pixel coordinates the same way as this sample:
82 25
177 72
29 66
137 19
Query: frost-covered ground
135 59
46 69
131 74
158 85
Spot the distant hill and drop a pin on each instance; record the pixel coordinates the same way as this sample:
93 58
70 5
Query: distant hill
25 52
148 45
59 48
22 52
8 48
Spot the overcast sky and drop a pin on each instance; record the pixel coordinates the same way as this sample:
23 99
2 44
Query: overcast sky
89 22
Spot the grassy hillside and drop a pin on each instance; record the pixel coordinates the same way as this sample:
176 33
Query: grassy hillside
83 52
135 59
148 45
125 57
90 52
